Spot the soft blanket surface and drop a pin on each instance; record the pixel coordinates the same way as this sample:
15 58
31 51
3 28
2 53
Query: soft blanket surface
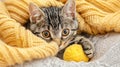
107 54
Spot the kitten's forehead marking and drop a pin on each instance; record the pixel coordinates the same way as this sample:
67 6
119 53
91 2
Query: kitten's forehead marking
53 16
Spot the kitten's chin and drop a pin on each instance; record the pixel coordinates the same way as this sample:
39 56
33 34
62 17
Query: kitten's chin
62 46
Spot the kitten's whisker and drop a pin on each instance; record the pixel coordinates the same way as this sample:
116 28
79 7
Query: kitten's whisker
74 29
73 42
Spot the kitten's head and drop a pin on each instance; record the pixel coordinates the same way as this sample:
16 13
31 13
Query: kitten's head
54 23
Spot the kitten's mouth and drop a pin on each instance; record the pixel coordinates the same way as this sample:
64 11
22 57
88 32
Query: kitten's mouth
63 45
62 48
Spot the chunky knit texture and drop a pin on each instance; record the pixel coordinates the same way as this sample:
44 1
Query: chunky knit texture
18 44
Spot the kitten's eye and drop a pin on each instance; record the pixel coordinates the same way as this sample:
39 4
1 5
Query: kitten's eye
46 34
65 32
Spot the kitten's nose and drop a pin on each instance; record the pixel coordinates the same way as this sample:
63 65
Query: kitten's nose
57 41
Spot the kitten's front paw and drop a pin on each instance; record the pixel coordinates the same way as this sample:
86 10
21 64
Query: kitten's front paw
89 52
87 45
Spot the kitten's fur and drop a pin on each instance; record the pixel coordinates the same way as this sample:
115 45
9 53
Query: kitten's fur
58 24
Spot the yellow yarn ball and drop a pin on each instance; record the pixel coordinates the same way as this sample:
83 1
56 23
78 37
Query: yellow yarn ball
75 53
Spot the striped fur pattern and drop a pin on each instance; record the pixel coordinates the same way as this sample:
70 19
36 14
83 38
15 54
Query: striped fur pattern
54 23
58 24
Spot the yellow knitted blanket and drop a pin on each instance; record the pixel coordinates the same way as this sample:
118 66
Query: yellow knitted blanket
18 45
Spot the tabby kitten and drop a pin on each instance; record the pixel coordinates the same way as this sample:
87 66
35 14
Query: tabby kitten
58 24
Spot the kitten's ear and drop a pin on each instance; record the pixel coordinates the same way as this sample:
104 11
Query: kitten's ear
36 14
69 9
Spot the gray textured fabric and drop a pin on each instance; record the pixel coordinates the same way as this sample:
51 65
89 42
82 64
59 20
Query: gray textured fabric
107 54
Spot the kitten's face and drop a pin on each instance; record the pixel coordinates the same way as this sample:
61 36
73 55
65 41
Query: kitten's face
54 23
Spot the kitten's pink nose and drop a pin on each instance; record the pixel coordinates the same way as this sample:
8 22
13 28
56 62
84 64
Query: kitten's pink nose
57 41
